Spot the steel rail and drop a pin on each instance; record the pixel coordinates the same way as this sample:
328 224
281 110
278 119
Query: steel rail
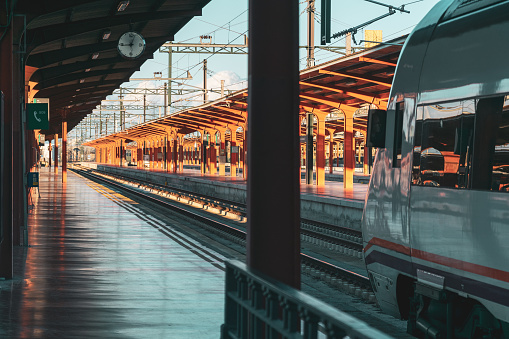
332 270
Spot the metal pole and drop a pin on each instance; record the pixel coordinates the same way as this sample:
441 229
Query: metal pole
311 34
165 102
144 107
205 96
122 117
273 183
169 76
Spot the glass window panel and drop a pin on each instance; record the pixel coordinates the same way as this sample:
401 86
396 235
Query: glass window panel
500 174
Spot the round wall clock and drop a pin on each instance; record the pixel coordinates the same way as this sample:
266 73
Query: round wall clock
131 45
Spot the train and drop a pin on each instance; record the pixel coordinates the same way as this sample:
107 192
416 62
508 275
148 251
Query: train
436 218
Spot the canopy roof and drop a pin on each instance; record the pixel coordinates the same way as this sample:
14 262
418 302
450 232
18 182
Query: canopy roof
72 47
341 86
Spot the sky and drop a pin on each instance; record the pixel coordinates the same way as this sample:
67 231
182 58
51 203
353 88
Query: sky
227 22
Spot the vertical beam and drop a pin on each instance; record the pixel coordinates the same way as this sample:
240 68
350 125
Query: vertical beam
203 151
365 151
19 170
244 154
222 153
311 34
6 144
64 149
169 77
348 152
56 153
309 148
50 150
205 95
320 150
175 155
165 102
273 196
331 150
213 156
181 154
233 156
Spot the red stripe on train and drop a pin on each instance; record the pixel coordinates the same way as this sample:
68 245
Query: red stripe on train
441 260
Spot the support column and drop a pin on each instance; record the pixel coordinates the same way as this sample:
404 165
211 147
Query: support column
348 152
309 148
56 153
320 150
331 150
50 155
203 153
19 145
213 155
273 197
64 149
365 151
6 144
175 155
233 156
208 152
181 154
244 155
168 153
222 153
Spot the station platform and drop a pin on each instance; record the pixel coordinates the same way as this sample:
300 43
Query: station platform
329 204
98 267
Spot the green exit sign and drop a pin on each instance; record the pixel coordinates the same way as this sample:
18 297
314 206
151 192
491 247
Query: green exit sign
37 116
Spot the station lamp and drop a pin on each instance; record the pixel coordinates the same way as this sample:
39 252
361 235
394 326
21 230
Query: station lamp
95 55
122 5
106 34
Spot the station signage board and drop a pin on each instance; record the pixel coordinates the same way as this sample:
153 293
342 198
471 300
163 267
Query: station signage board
33 179
37 116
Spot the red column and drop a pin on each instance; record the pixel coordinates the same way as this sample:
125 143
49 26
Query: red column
181 156
348 152
175 155
233 156
64 151
56 153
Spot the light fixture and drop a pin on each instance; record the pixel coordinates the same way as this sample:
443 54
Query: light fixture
122 5
78 90
87 70
95 55
106 34
82 81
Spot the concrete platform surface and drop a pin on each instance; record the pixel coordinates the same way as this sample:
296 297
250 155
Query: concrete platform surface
98 267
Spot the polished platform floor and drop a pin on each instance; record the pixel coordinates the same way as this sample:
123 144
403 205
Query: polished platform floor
98 267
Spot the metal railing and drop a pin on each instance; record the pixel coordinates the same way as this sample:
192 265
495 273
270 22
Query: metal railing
260 307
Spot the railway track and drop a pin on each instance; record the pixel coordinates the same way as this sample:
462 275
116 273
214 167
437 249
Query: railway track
345 240
342 240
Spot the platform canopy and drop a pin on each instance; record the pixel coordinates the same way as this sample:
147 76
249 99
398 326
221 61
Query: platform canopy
343 85
71 45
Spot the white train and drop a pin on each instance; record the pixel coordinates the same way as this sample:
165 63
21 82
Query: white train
436 219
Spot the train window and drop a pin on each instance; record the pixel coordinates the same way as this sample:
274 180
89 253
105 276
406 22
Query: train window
398 134
490 161
500 175
463 145
443 137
